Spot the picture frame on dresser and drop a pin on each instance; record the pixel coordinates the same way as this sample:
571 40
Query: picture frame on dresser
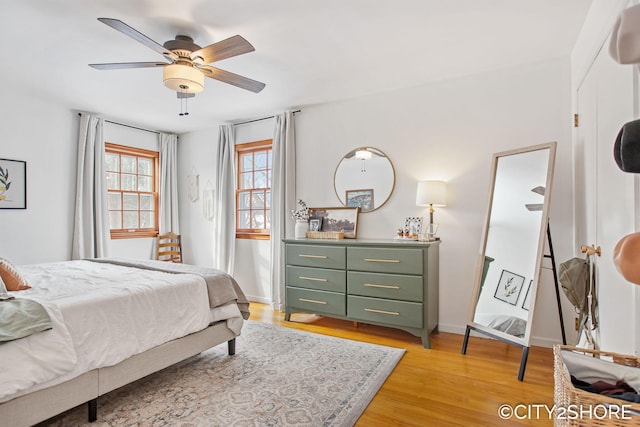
338 219
413 224
315 223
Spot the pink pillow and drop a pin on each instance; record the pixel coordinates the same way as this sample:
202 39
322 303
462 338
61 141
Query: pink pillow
12 280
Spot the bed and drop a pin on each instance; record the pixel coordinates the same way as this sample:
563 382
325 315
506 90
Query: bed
113 321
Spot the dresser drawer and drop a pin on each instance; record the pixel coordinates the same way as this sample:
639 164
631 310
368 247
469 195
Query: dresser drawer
385 260
316 301
396 313
390 286
316 256
321 279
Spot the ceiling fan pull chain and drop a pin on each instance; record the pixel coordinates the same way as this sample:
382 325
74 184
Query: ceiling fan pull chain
181 101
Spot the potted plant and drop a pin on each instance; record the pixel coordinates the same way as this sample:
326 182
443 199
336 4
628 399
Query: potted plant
301 215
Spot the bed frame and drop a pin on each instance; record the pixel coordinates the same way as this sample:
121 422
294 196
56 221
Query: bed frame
43 404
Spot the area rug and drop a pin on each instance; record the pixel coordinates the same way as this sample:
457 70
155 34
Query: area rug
278 377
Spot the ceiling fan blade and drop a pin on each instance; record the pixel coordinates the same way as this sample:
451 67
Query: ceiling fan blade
124 65
538 190
232 78
118 25
233 46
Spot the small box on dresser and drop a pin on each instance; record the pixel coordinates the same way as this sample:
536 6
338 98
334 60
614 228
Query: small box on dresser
382 282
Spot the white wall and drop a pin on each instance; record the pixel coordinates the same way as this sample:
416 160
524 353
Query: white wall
44 134
196 154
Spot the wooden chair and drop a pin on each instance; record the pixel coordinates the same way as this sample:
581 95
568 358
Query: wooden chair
169 248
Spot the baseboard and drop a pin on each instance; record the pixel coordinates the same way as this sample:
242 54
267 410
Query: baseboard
261 300
544 342
452 329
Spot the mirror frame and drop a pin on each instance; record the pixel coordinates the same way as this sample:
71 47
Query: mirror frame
523 342
393 184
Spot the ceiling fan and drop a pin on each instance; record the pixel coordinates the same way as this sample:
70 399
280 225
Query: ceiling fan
188 67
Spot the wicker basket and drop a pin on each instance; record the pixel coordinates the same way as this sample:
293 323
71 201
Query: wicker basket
331 235
568 396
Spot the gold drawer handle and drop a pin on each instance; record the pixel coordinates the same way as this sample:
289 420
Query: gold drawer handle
382 260
315 279
392 313
313 256
311 301
371 285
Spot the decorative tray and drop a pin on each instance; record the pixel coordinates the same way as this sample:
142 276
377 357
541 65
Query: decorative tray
331 235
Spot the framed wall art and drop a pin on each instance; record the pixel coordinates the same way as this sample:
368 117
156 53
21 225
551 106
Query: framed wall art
338 219
13 184
360 198
509 287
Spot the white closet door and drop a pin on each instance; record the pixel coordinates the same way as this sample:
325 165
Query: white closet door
604 194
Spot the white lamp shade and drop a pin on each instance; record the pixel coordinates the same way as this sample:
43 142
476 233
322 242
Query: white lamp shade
175 75
431 193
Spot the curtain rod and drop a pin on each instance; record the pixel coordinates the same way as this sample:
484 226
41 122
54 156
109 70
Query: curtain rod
132 127
257 120
128 126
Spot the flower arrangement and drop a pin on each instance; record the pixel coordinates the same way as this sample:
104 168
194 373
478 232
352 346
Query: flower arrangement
302 213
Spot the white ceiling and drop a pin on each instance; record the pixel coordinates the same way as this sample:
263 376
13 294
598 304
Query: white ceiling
307 51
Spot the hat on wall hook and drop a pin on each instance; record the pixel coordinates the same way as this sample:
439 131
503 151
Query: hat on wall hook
624 46
626 149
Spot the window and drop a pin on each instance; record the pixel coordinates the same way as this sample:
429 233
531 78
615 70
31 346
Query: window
132 183
253 196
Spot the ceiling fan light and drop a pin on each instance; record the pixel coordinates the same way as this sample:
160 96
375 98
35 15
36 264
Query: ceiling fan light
363 154
177 77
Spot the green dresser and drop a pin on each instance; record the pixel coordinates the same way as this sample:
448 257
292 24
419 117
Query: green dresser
390 283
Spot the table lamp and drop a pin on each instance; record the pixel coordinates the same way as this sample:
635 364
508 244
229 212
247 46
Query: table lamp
432 194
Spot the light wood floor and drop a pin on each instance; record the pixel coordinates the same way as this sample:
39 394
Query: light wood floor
440 387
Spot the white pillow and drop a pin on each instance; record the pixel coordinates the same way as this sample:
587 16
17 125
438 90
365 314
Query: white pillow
591 369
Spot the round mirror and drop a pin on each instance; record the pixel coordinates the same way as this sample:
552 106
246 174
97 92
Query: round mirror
364 177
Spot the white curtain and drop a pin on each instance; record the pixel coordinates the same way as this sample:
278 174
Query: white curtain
283 200
168 214
224 209
91 227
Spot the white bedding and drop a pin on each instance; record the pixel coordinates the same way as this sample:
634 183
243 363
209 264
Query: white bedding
111 312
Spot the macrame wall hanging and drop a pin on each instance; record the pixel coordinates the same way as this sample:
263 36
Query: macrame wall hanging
194 186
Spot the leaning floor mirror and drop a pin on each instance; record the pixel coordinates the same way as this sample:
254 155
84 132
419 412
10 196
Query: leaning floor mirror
512 247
